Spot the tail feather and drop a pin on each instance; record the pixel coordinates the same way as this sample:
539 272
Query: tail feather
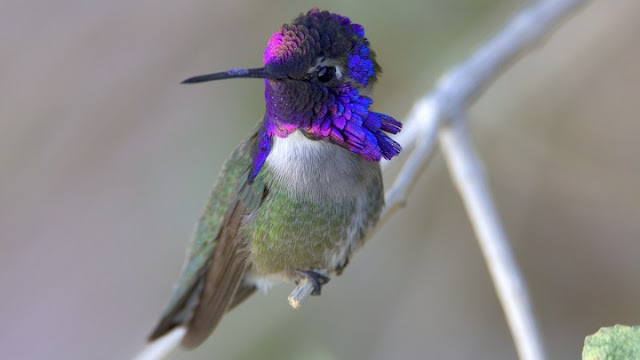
182 312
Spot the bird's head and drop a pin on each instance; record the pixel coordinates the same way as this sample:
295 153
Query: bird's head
318 70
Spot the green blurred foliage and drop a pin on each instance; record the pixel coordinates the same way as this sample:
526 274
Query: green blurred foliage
618 342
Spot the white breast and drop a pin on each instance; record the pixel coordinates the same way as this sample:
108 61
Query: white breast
317 168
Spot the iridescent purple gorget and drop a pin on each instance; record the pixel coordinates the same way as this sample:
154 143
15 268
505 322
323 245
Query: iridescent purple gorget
334 110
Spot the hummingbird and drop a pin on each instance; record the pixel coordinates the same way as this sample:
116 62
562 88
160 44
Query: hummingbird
298 196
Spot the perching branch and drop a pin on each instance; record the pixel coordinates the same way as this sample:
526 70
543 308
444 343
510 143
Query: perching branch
162 347
443 111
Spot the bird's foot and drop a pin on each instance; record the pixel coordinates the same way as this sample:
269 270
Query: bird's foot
316 279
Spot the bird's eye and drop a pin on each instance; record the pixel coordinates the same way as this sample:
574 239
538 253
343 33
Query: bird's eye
326 73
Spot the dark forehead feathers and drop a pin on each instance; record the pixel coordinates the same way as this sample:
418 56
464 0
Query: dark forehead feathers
296 46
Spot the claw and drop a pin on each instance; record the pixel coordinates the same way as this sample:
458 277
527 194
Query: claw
316 279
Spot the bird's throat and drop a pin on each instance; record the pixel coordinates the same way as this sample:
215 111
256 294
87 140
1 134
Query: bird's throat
315 168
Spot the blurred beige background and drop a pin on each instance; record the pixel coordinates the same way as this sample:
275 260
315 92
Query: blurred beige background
106 162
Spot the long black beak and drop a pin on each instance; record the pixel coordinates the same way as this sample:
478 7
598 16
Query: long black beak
229 74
